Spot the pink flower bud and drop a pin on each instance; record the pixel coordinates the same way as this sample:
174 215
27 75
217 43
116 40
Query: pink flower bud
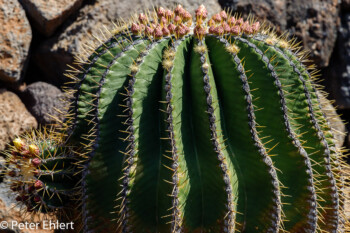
199 31
232 21
201 12
179 10
219 30
161 12
223 15
239 21
211 22
169 14
212 29
186 16
256 26
38 184
181 30
36 162
171 28
177 19
235 30
247 28
148 31
165 31
25 153
216 18
157 33
226 27
135 28
142 18
163 20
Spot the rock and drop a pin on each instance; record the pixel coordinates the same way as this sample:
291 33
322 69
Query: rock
345 5
15 38
12 214
15 119
42 100
47 15
313 22
54 55
338 73
273 11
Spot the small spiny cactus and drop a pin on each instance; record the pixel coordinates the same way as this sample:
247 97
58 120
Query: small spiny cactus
189 124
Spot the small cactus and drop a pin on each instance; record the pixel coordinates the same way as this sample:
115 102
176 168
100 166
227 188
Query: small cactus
182 123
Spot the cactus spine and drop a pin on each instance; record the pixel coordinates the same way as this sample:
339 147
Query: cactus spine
189 124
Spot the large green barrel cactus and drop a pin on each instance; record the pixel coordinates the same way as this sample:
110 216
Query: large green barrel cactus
189 124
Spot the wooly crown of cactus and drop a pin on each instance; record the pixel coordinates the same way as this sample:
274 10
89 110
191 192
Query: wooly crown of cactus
188 124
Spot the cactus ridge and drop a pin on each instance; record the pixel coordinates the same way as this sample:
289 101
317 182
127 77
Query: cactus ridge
325 160
173 153
102 49
312 217
334 206
276 216
189 124
229 222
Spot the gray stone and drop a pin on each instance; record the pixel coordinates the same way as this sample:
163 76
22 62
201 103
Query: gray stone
54 55
47 15
313 22
273 11
15 38
345 5
15 118
338 73
42 100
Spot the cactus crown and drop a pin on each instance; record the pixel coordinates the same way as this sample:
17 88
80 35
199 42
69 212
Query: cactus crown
182 123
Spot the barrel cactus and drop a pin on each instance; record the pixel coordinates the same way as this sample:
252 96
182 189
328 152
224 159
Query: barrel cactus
181 123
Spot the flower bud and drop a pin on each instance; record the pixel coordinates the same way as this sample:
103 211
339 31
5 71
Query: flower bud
142 18
161 12
19 144
201 12
34 149
217 18
223 15
235 30
36 162
38 184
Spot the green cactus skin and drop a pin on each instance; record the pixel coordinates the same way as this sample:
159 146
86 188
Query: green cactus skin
43 174
181 125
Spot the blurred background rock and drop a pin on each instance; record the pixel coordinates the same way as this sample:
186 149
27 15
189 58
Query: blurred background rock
39 38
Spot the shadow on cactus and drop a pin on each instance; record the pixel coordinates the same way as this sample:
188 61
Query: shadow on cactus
182 123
